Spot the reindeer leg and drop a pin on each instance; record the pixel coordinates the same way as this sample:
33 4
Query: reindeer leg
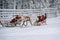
30 22
26 23
23 23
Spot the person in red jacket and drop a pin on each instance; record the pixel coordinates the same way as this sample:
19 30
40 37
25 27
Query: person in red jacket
14 20
43 18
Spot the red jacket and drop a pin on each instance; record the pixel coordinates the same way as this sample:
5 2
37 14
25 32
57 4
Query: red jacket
43 18
14 20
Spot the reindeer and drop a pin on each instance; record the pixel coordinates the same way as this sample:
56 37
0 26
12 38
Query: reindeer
20 19
25 19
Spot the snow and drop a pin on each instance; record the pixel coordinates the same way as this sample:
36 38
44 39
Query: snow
51 31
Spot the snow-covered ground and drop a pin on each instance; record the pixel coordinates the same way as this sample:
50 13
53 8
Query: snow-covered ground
51 31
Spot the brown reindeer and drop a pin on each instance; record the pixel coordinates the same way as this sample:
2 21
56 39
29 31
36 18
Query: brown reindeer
20 19
25 19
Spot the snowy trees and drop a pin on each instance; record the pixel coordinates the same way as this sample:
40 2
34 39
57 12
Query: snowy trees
27 4
18 6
